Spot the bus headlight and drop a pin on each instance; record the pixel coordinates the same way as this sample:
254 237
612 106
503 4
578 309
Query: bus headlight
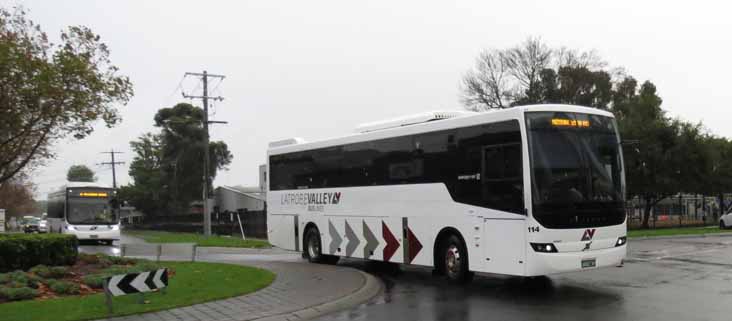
621 241
70 228
115 227
544 247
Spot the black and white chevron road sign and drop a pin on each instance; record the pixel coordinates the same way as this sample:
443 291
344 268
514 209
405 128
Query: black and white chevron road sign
137 282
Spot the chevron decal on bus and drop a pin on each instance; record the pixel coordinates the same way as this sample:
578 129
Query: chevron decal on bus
353 240
391 242
371 241
414 245
335 239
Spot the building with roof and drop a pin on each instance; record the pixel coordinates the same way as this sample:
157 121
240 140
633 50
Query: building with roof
239 198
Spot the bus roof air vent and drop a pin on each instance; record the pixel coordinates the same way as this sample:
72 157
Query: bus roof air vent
411 120
285 142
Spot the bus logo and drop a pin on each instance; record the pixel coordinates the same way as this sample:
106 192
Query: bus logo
589 233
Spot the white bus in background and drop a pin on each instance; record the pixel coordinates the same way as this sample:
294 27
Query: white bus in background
525 191
87 210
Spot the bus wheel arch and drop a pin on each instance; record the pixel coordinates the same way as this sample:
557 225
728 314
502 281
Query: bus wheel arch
446 237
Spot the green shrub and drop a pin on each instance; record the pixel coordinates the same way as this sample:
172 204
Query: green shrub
63 287
115 269
23 251
88 258
104 261
19 279
95 281
54 272
15 294
18 276
40 270
118 260
58 272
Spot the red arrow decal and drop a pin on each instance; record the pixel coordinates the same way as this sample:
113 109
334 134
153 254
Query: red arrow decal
391 242
414 245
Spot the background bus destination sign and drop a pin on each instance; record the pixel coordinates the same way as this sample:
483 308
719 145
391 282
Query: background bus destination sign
564 122
92 194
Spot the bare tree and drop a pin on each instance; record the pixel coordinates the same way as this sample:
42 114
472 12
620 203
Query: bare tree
529 73
488 85
502 75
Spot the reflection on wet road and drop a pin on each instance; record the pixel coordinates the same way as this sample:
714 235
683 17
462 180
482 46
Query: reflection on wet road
681 279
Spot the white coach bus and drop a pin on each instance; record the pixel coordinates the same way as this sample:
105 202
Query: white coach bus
87 210
524 191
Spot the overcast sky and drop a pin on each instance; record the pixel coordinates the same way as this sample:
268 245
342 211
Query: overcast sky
316 69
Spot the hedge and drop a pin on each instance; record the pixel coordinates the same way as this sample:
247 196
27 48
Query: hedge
23 251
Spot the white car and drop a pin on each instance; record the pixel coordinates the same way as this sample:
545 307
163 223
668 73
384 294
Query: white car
725 221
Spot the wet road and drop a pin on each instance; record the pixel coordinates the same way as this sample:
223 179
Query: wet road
679 279
669 279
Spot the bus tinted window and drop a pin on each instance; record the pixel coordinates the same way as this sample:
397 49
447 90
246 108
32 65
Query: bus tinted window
456 158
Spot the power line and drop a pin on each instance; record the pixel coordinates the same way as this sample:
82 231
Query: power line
205 98
113 163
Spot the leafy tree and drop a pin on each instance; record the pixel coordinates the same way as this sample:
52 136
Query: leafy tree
50 91
719 171
167 169
146 191
80 173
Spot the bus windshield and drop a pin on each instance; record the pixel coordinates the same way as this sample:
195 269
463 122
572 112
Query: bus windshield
576 170
90 211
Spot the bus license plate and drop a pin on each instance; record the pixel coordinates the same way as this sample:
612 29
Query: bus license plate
94 236
588 263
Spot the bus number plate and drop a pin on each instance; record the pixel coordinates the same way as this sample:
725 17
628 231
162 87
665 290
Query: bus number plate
589 263
93 236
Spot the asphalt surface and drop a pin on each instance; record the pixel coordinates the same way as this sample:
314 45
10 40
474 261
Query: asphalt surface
663 279
669 279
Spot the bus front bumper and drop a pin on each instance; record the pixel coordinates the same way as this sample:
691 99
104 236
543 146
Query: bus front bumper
95 235
553 263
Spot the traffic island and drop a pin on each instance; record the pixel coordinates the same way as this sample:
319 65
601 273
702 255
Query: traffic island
75 293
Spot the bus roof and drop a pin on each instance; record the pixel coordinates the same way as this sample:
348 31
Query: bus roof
458 119
83 184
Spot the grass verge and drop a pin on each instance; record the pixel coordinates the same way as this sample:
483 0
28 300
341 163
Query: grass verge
175 237
676 231
193 283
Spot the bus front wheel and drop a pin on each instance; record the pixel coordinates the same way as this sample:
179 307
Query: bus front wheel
455 260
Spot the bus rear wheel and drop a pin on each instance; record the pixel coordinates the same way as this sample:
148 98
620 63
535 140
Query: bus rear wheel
455 260
313 250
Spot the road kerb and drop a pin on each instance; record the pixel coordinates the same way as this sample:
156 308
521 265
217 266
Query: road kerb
372 286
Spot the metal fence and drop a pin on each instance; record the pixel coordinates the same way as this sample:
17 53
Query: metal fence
254 223
679 211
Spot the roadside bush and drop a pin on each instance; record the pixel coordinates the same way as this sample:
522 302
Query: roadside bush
16 294
53 272
88 258
63 287
118 260
19 279
23 251
95 281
